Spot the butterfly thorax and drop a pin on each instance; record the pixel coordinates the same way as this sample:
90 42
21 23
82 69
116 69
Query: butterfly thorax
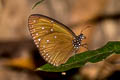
77 41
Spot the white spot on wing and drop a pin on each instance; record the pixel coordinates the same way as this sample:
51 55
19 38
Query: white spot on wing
37 45
44 51
55 36
48 56
36 33
51 29
54 64
47 41
52 21
44 56
34 20
51 62
39 39
34 37
43 27
34 30
43 46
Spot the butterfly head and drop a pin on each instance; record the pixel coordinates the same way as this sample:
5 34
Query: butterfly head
81 37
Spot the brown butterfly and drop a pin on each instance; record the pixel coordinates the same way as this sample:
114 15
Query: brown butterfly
55 41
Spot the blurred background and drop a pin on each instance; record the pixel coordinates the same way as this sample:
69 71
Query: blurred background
19 56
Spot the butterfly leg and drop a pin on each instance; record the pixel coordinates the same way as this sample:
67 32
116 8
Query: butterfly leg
74 55
85 46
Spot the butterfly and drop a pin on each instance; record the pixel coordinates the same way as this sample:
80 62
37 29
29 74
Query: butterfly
55 41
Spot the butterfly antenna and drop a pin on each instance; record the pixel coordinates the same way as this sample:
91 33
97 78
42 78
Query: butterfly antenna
85 28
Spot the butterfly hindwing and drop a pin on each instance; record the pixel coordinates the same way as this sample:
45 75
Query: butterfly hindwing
55 49
53 39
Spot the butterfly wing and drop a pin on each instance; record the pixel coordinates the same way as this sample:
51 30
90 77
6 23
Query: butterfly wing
53 39
55 49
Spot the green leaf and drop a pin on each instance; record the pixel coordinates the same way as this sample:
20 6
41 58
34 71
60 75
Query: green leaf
79 60
37 3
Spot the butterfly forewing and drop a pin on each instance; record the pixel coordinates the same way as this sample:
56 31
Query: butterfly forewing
53 39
